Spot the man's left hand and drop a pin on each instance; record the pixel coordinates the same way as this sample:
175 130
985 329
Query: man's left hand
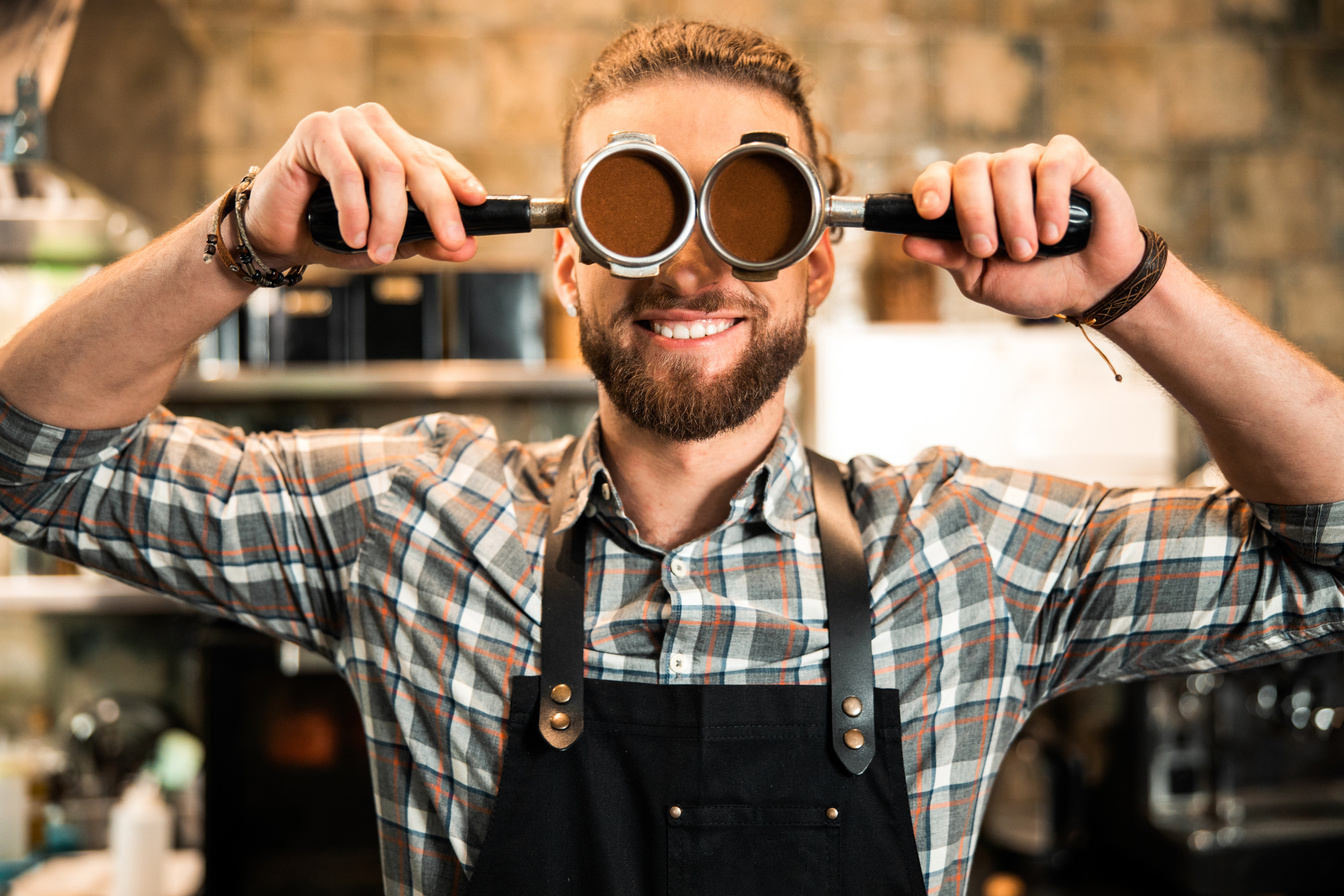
1018 200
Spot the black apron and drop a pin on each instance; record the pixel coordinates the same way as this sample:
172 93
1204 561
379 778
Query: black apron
731 790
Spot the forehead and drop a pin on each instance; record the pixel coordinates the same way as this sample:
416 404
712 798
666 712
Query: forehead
696 119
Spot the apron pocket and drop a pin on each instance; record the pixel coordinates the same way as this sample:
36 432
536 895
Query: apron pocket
751 850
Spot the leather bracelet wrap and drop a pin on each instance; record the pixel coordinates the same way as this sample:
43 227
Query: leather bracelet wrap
246 266
1132 290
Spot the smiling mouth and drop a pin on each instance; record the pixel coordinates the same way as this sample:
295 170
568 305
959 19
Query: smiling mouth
689 329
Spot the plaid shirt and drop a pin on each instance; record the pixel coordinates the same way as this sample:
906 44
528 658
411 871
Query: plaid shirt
411 557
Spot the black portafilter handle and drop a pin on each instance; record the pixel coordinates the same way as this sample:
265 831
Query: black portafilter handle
497 214
896 213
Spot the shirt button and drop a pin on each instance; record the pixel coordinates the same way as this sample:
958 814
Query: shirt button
606 491
589 510
679 567
681 663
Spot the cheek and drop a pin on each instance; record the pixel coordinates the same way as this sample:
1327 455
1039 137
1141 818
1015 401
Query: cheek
600 296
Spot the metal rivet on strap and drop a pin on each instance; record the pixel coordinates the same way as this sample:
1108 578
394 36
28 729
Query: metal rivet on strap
832 813
854 738
560 721
675 811
561 693
852 706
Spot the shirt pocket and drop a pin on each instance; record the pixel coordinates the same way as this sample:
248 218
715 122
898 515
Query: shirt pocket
752 850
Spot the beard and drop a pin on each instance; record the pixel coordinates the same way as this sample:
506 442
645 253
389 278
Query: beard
672 397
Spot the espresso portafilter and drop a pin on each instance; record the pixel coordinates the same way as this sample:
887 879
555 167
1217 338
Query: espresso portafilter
630 207
763 207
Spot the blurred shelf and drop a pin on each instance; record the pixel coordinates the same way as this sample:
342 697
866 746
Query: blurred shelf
391 380
87 593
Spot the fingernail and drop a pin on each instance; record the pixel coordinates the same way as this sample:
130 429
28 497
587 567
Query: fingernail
1050 232
929 201
455 233
475 185
980 245
1021 248
360 239
384 253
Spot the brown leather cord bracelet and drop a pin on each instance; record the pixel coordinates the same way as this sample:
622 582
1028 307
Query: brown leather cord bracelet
246 267
1125 296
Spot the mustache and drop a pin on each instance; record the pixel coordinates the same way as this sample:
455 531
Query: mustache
709 301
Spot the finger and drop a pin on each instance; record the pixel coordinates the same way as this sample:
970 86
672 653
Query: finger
1011 176
326 154
932 190
440 185
466 187
437 180
1063 164
432 175
973 196
945 254
435 251
385 177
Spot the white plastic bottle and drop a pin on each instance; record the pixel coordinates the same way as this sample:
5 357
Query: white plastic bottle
13 806
139 836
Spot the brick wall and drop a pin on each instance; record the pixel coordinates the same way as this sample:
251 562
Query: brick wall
1223 117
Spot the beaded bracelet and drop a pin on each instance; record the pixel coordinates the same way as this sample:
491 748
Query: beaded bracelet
1128 294
247 266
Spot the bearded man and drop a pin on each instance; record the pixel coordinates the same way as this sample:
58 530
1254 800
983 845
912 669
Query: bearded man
678 654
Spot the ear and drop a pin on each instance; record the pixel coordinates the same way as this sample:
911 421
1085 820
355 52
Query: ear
820 271
564 268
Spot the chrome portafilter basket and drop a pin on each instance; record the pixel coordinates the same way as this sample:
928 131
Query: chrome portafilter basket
762 206
630 207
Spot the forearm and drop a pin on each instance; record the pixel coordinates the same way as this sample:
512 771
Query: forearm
1273 417
107 352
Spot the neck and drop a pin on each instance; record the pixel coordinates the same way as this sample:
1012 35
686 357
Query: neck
677 491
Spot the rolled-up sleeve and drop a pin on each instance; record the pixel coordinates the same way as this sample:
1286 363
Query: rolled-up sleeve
263 528
1112 584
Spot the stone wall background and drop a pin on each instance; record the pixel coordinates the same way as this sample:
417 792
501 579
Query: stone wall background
1225 118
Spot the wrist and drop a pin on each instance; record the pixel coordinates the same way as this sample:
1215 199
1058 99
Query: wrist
1130 291
202 231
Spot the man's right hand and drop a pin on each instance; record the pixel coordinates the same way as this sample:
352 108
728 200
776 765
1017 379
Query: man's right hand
352 147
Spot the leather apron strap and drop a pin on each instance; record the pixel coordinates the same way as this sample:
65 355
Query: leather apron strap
848 608
849 617
562 638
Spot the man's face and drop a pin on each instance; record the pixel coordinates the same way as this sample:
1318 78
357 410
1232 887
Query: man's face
731 344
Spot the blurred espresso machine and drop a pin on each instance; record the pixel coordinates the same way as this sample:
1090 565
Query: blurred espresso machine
1226 783
1245 777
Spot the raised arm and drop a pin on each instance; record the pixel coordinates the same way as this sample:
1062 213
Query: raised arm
106 354
1273 418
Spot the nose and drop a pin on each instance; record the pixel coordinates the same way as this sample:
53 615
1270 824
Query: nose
694 268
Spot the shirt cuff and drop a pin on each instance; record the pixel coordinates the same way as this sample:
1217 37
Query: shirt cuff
1315 531
32 451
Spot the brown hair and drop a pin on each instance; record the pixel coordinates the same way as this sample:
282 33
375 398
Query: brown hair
737 55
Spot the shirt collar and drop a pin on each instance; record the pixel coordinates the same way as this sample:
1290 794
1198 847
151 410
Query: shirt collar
778 491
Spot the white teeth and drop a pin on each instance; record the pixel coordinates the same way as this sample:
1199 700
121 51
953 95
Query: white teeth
697 330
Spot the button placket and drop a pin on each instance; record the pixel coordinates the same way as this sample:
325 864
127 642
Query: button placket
686 602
